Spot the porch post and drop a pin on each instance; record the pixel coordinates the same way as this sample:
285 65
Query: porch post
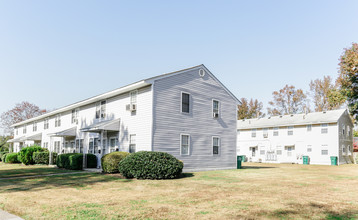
50 150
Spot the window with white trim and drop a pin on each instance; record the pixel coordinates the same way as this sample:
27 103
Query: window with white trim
262 152
74 116
290 130
132 143
34 126
113 145
184 144
324 149
324 129
46 123
309 148
101 109
24 129
216 108
275 131
185 102
216 145
309 128
58 120
253 133
133 97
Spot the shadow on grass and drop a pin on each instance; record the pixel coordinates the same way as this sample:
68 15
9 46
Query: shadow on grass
32 171
256 167
59 181
186 175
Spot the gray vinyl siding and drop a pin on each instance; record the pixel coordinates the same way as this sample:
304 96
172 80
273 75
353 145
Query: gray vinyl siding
169 122
344 140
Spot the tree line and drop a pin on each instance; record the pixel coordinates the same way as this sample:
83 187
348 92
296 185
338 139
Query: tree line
325 93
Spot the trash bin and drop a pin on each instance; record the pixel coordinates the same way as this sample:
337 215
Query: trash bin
306 160
240 159
334 161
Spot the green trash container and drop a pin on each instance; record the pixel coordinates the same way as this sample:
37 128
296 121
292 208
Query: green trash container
334 161
240 159
306 160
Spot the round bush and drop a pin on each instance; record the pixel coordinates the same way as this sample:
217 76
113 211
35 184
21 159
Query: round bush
150 165
25 155
43 157
11 158
110 161
74 161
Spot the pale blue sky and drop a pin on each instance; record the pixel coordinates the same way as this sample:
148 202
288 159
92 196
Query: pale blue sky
54 53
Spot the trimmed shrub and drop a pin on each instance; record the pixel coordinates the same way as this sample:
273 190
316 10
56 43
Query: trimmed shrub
25 154
111 161
151 165
3 157
1 154
11 158
74 161
43 157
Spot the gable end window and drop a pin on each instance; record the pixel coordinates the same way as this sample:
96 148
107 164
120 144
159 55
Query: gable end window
216 145
185 102
216 108
184 144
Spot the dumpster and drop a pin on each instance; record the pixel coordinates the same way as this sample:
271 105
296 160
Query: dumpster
306 160
240 160
334 161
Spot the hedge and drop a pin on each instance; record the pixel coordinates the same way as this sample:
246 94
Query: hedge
150 165
11 158
74 161
25 154
3 157
111 161
43 157
1 154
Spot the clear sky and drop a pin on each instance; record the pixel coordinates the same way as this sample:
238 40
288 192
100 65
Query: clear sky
54 53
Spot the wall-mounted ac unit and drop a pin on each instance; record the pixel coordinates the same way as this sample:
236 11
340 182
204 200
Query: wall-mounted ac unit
133 107
215 115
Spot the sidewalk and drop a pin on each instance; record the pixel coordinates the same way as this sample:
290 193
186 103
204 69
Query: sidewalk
7 216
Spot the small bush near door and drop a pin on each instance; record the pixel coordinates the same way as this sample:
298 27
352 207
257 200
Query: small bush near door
11 158
150 165
74 161
43 157
111 161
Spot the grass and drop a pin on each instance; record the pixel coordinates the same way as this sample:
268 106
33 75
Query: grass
20 170
260 191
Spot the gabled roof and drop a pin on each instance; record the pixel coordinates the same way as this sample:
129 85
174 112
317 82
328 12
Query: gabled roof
121 90
291 120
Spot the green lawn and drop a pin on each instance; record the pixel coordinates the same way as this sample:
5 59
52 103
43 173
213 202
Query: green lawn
260 191
20 170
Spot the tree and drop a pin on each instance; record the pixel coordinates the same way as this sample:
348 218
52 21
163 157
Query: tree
348 77
250 109
4 146
288 100
20 112
325 94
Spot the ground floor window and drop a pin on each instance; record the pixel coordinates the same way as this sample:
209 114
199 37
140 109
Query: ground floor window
113 145
132 143
184 144
216 145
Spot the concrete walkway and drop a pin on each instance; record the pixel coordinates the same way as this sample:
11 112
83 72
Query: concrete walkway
7 216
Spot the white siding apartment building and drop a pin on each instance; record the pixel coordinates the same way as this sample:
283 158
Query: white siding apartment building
286 139
187 113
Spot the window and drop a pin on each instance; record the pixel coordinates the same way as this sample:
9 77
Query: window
265 132
253 133
46 123
290 130
309 148
132 143
79 145
58 120
309 127
275 131
101 109
24 129
133 97
349 131
343 149
262 152
90 146
216 145
289 151
238 131
113 145
279 152
184 144
45 145
185 102
17 131
57 147
74 117
349 149
215 109
324 150
324 129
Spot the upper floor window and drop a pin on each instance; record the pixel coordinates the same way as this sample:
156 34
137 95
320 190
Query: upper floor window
74 116
101 109
46 123
216 145
309 127
17 131
253 133
34 126
58 120
290 130
24 129
132 143
324 129
216 108
185 102
265 132
184 144
343 129
275 131
133 96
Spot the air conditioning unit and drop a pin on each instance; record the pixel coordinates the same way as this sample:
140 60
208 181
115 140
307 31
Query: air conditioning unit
265 135
215 115
133 107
